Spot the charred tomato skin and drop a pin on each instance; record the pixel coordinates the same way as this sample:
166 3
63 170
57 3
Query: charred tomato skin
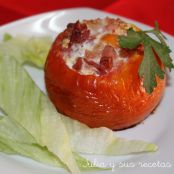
116 100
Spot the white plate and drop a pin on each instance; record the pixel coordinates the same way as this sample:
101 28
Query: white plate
158 128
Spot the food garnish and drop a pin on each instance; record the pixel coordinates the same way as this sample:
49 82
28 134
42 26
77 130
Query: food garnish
153 51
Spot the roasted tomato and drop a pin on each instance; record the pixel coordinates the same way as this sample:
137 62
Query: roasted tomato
91 79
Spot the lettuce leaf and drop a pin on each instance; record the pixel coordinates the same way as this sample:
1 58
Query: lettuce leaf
7 37
42 155
32 50
103 140
4 148
33 151
36 50
22 100
14 139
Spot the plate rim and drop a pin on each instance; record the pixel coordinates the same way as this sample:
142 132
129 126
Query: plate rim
28 18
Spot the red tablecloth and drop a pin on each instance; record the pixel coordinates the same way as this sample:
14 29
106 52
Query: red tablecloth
146 11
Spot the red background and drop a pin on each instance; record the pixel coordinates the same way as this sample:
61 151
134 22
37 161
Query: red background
146 11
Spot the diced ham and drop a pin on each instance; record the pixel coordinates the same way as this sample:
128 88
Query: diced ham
101 68
79 32
109 51
78 65
106 63
92 63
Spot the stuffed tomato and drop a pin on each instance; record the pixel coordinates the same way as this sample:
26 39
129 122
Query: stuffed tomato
90 78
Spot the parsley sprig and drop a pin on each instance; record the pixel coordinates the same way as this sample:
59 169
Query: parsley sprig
149 67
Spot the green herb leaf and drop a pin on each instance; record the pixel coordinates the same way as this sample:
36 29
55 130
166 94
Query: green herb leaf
132 40
163 53
149 67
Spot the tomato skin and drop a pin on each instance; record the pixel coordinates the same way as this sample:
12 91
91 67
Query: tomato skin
116 100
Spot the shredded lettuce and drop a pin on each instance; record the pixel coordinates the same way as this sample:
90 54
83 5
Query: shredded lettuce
33 128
